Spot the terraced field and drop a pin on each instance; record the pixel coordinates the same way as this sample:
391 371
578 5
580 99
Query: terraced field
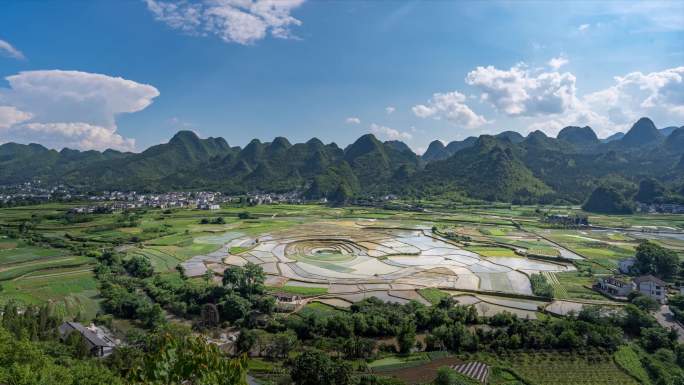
342 262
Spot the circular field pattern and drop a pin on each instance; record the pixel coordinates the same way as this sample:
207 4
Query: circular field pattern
353 261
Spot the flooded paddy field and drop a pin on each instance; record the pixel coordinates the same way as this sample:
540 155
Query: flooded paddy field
354 260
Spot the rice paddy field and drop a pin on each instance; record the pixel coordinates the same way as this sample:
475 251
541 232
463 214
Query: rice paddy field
482 255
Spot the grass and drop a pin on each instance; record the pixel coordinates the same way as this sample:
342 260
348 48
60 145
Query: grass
396 362
318 308
73 291
432 295
629 361
573 285
494 231
18 270
17 251
492 251
238 249
299 290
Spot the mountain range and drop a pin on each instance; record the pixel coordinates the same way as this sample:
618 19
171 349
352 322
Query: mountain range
504 167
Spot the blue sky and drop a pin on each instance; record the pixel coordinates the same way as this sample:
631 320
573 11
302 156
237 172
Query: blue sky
129 74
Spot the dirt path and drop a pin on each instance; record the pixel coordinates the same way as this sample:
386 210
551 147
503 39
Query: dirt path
666 319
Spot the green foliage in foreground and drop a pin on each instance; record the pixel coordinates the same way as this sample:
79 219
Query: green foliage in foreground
31 353
629 361
189 360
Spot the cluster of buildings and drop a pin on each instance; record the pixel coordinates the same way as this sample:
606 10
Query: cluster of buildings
567 220
664 208
37 192
267 199
620 287
132 200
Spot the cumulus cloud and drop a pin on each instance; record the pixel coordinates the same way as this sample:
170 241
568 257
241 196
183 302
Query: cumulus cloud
520 92
389 109
10 116
76 134
73 108
657 94
558 62
353 120
6 49
450 106
637 94
389 133
233 21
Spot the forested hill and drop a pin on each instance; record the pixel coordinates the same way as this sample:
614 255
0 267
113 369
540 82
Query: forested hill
505 167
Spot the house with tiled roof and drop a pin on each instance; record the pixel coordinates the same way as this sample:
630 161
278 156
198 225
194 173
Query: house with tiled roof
651 286
99 343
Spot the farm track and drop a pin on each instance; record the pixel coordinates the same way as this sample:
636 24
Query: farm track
56 274
17 265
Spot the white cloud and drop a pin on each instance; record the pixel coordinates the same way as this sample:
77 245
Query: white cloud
451 106
389 110
352 120
389 133
637 94
238 21
558 62
10 116
659 95
76 134
6 49
73 108
583 27
519 92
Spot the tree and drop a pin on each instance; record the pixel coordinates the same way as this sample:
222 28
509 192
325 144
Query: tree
652 258
187 360
650 191
152 315
233 277
635 319
246 340
316 368
247 280
608 200
342 195
406 339
282 344
656 338
254 279
540 286
645 303
210 315
139 266
233 308
79 345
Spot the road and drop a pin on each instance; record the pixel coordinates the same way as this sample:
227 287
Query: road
666 319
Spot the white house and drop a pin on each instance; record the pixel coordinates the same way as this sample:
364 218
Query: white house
615 286
651 286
